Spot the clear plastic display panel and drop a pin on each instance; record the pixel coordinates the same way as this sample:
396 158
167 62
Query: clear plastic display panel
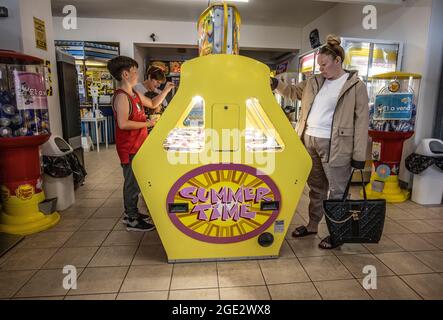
23 101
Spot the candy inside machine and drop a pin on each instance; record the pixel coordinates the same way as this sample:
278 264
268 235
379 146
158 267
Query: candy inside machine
23 101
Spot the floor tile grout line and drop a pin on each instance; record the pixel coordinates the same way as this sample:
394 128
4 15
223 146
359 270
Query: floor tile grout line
170 282
78 277
361 285
318 291
263 285
424 262
91 294
34 272
418 235
397 243
380 261
130 265
44 263
309 277
29 280
401 279
218 281
264 279
410 253
99 246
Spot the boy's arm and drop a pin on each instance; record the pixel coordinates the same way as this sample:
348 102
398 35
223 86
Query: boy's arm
140 88
121 105
155 103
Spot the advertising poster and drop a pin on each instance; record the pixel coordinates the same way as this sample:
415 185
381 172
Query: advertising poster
30 90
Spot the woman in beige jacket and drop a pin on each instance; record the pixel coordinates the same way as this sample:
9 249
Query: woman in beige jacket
333 126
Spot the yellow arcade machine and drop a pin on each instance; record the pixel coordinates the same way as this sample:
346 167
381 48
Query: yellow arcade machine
223 170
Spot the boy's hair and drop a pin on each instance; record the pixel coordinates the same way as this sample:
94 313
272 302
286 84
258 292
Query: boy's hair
117 65
156 73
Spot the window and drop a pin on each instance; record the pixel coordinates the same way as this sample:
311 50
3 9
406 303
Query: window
188 134
260 133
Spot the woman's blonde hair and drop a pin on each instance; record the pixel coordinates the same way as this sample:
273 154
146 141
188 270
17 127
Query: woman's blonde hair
333 47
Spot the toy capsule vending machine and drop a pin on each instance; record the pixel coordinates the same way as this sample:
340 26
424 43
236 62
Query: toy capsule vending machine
24 126
217 171
393 109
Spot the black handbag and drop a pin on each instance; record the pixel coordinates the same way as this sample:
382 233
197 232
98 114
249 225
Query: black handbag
355 221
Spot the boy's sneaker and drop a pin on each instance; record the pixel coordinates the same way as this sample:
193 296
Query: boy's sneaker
138 224
141 216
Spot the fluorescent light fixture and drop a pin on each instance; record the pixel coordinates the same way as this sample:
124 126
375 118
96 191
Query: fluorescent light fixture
366 1
220 1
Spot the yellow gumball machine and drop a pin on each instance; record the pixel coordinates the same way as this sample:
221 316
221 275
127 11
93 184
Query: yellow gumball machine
223 170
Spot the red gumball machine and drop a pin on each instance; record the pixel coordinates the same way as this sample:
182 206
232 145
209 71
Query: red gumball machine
24 126
392 114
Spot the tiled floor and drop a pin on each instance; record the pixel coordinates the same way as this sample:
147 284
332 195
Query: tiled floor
114 264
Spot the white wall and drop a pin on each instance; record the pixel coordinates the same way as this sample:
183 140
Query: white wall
128 32
10 27
408 23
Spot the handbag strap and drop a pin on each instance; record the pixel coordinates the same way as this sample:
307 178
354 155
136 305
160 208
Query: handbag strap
346 193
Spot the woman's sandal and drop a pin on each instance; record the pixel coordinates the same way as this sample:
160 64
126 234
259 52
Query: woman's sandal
301 231
328 244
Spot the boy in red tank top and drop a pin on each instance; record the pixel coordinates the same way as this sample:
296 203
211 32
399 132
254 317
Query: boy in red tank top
131 131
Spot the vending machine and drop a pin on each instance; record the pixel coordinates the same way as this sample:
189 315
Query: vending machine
218 171
392 112
24 126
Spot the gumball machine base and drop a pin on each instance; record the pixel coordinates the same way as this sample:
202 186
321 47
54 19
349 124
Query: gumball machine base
384 183
391 192
27 219
21 187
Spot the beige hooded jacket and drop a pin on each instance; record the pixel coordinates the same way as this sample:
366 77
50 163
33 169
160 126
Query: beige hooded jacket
349 134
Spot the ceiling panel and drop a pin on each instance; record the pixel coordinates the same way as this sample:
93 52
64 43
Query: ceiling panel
289 13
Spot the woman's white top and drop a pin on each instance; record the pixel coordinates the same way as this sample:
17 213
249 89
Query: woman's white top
319 122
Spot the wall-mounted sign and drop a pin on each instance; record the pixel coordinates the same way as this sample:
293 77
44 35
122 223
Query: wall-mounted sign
40 34
223 203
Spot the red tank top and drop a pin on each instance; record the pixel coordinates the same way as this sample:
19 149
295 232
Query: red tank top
129 141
